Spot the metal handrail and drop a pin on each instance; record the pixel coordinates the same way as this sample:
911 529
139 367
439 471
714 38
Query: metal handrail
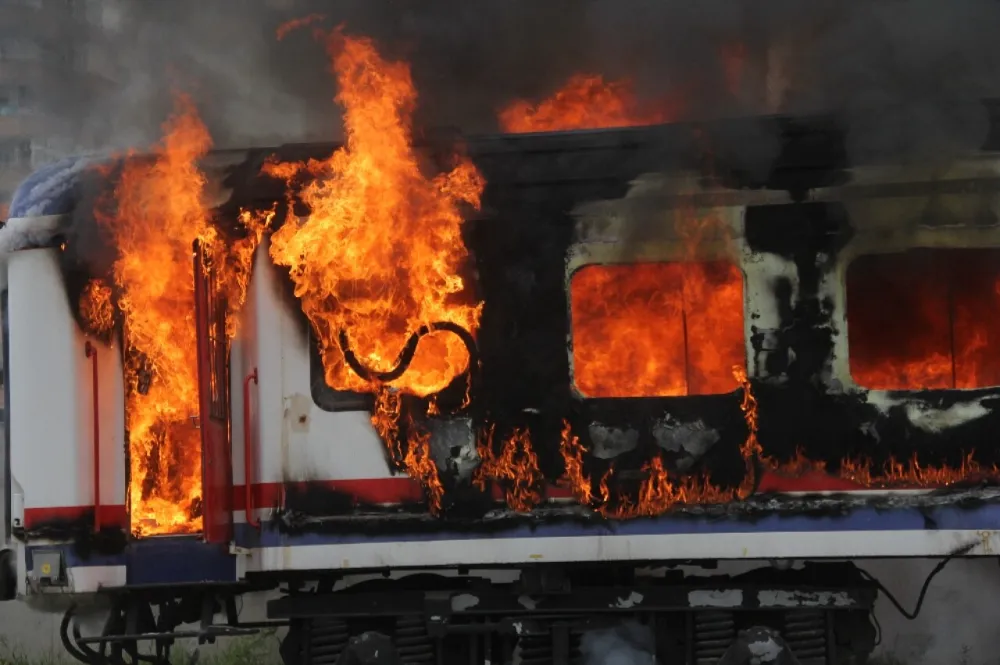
91 352
247 459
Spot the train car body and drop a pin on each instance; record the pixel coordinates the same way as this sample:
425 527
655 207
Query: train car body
299 489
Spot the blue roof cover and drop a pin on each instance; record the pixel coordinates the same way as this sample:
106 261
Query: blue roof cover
50 189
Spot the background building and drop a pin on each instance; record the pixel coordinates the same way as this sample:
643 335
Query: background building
52 56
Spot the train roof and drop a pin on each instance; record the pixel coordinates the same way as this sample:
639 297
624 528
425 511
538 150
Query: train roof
792 153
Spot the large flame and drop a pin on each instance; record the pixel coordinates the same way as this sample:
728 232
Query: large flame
97 308
380 253
387 419
586 101
515 468
158 216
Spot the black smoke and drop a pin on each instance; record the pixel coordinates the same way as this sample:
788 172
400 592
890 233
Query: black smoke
902 71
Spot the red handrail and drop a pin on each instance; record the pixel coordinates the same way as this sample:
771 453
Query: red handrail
91 352
247 459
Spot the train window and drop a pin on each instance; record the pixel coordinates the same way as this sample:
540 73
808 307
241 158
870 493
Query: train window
657 329
925 319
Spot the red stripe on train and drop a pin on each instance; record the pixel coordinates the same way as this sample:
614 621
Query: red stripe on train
111 516
386 490
362 490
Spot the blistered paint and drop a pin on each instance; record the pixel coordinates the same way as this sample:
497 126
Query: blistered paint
633 599
763 316
298 408
527 602
715 598
773 598
693 439
937 420
765 651
463 601
610 442
453 446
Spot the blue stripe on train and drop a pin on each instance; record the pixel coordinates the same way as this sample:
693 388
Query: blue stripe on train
910 519
178 560
159 560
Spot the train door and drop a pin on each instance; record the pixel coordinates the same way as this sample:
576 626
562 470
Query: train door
214 416
8 581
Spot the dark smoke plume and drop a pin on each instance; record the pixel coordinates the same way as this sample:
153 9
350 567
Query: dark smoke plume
910 60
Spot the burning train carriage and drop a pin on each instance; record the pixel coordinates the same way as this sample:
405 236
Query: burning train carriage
674 362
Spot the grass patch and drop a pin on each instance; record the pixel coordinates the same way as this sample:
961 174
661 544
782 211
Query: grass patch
15 654
261 649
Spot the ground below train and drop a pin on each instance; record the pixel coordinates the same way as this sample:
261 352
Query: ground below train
957 625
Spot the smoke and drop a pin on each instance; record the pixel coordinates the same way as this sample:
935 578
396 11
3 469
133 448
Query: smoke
913 59
630 643
222 54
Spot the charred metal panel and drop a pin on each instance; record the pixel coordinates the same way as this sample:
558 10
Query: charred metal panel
559 201
555 202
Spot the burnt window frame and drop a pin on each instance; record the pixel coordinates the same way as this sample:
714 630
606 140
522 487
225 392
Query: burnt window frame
702 261
945 259
218 346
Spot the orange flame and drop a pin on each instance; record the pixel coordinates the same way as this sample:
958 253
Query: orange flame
159 216
417 460
927 323
587 101
799 465
234 262
516 467
572 452
751 449
914 474
381 251
96 308
892 474
658 493
296 23
663 329
385 419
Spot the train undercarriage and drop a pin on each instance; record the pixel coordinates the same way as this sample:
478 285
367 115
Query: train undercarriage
815 614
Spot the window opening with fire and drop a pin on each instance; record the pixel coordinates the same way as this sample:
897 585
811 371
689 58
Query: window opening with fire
218 348
925 319
657 329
